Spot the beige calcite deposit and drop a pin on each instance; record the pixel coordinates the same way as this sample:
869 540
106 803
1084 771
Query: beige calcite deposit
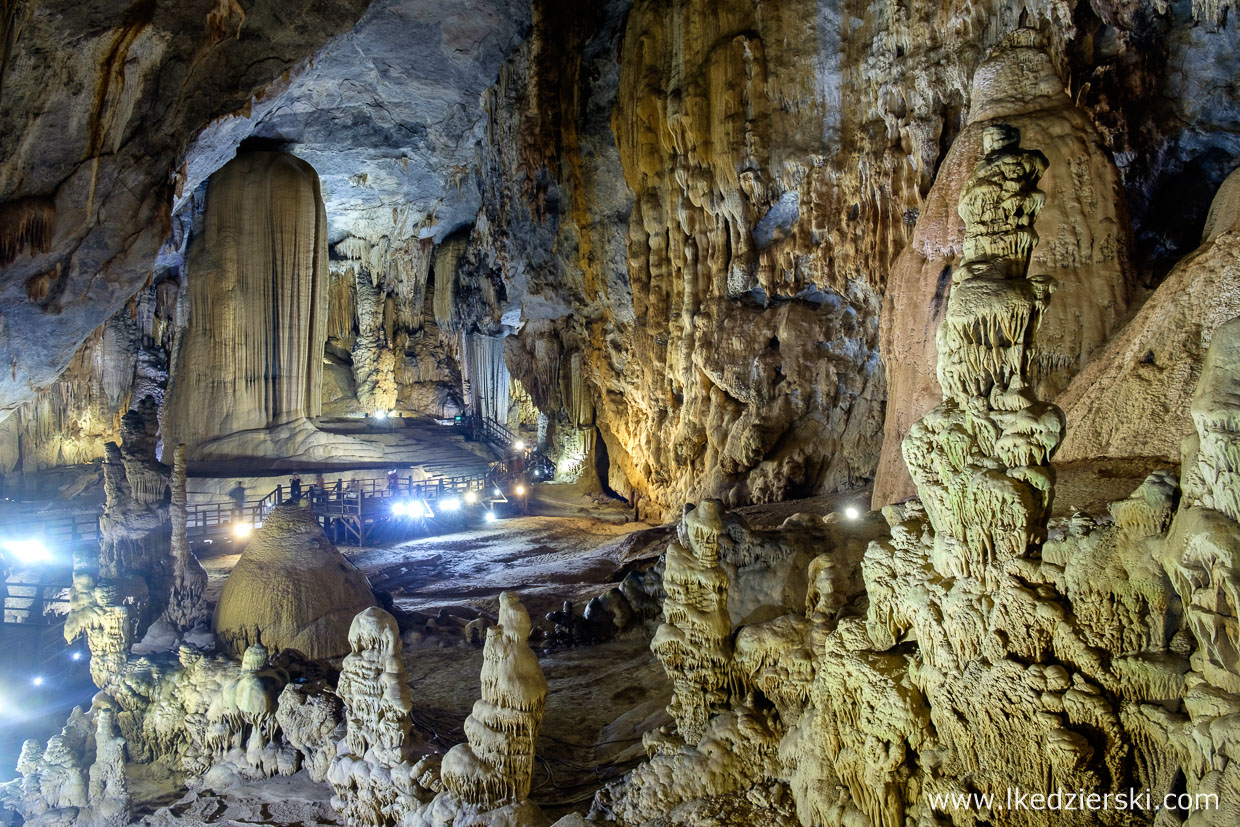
376 778
1134 399
1084 246
291 589
488 779
989 649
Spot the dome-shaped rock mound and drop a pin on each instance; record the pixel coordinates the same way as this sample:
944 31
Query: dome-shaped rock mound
291 589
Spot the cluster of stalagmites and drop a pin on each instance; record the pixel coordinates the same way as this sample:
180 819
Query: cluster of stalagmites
989 650
211 718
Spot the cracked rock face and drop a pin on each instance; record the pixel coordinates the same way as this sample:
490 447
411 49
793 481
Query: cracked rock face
99 103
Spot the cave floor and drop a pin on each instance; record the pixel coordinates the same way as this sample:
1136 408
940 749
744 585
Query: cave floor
602 697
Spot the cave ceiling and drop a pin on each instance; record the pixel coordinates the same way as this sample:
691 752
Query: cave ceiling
388 114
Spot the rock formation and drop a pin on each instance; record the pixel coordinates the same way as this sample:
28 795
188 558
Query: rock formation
981 458
373 773
493 771
117 594
1134 399
694 642
79 778
291 589
250 361
187 607
1085 249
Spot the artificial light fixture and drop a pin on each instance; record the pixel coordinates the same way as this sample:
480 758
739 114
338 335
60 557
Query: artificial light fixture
381 414
520 490
29 551
851 512
491 517
519 445
242 530
471 497
451 504
37 680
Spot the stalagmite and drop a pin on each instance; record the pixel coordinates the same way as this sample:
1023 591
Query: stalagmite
291 589
693 643
375 777
493 771
116 595
981 458
186 605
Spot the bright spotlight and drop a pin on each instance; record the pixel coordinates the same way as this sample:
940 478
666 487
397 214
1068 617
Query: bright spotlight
851 512
491 517
520 490
451 504
471 497
416 510
37 680
76 656
381 414
499 493
242 530
519 445
29 551
537 473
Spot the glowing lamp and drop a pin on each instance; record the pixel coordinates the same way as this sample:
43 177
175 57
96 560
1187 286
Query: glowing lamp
851 512
76 656
471 497
37 680
519 445
29 551
520 490
380 414
242 530
491 517
451 504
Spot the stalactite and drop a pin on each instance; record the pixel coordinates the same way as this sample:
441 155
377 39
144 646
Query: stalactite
446 258
26 225
489 379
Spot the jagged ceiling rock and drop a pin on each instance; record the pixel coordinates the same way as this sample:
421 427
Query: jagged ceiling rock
388 115
97 104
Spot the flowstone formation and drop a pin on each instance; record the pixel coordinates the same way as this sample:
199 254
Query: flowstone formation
1133 400
694 641
488 779
291 589
995 666
249 364
376 780
981 458
117 594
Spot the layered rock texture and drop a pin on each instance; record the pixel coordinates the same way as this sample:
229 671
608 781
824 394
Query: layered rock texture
250 357
990 652
1146 375
291 589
